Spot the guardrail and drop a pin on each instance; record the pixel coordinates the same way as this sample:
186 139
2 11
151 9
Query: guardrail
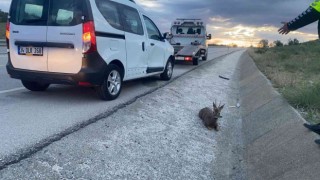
2 42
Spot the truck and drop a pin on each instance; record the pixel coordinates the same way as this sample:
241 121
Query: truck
189 40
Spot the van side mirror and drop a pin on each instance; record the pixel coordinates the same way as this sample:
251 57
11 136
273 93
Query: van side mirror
167 35
209 36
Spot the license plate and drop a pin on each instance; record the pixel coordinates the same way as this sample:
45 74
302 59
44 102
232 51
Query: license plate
179 58
30 51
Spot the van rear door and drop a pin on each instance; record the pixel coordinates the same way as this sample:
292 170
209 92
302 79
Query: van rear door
28 34
65 36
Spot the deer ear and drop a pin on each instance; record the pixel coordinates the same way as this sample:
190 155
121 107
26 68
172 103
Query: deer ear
221 107
214 105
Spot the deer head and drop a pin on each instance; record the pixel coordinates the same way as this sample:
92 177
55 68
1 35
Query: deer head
217 110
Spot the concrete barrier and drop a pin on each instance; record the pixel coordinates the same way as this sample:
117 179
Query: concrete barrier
277 146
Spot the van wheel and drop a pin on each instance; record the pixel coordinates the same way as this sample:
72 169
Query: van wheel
35 86
167 73
195 61
205 57
112 84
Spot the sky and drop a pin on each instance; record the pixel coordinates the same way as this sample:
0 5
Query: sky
241 22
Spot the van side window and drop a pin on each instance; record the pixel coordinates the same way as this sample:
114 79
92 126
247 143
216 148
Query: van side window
153 31
65 13
131 20
109 11
29 12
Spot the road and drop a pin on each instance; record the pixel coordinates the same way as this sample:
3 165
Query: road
158 136
6 82
30 120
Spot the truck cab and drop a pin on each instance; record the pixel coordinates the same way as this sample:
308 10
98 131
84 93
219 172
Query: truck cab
189 39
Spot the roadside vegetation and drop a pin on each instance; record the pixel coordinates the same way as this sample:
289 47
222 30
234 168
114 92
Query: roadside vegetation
2 30
3 20
294 70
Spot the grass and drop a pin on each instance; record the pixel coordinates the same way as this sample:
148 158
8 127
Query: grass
295 72
2 30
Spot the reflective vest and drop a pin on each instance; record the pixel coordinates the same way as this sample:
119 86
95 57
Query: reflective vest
316 5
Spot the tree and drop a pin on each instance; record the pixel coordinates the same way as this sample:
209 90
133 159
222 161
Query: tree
3 16
271 44
293 42
232 45
278 43
264 43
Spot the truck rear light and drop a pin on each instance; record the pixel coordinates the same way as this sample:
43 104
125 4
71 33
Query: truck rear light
8 30
188 58
89 38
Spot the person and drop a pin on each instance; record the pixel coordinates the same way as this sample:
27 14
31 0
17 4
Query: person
309 16
180 31
314 128
190 31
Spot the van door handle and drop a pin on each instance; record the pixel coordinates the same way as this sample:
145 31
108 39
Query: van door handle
143 48
152 44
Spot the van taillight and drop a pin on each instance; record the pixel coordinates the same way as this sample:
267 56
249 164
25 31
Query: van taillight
188 58
89 38
8 30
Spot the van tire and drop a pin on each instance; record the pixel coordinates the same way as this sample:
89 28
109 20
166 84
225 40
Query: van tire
112 80
205 57
195 61
35 86
167 73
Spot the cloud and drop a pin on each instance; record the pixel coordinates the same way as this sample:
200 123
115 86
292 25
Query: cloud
219 19
229 20
245 22
153 4
4 5
251 35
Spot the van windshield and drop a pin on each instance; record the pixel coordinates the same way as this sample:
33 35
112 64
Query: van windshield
37 12
191 30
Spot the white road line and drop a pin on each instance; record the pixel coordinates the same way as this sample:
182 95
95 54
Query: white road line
12 90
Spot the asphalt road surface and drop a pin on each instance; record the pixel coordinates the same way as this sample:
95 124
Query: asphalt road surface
30 120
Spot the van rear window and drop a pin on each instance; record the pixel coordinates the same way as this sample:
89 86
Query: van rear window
29 12
110 12
33 11
65 13
120 16
47 12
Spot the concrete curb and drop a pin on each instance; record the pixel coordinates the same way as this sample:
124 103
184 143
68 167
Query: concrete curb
277 146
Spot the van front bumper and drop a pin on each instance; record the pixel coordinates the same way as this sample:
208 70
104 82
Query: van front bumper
92 72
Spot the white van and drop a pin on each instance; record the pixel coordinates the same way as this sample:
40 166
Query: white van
98 43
